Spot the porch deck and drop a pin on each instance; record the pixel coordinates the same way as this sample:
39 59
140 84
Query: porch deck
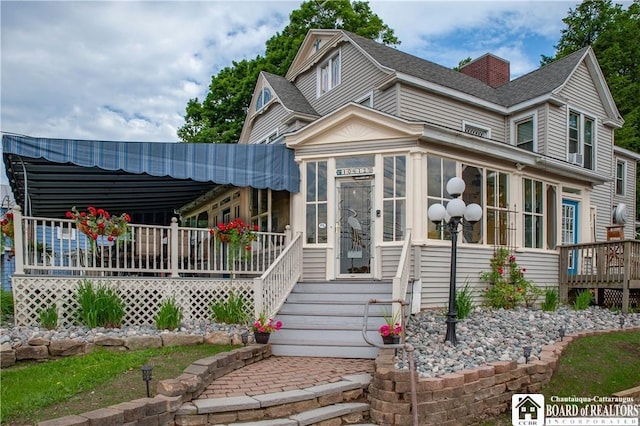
611 269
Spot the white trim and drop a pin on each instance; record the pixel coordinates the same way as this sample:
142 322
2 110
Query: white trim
624 178
582 115
328 63
368 96
521 118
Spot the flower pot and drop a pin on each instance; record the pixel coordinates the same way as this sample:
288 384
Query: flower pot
392 339
262 338
224 238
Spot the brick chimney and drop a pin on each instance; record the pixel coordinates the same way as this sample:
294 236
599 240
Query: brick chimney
489 69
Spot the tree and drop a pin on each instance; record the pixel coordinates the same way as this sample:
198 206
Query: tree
462 63
219 118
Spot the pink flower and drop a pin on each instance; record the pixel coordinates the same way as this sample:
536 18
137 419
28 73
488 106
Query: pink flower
500 271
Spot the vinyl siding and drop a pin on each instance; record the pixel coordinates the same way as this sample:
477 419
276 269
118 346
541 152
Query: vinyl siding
358 77
266 123
416 104
556 140
629 194
314 264
390 260
385 100
541 268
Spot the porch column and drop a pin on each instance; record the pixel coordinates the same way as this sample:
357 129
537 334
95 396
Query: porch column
173 249
418 222
18 240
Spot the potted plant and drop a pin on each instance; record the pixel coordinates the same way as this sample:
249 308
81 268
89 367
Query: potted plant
237 234
263 327
95 222
390 331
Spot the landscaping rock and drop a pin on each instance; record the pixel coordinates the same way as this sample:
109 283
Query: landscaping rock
31 352
108 341
135 343
217 338
7 355
170 339
66 347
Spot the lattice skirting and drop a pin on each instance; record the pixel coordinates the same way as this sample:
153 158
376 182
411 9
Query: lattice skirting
142 296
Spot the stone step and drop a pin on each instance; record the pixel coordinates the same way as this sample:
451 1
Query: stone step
268 409
313 416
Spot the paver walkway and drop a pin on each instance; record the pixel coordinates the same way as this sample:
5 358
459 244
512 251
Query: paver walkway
279 374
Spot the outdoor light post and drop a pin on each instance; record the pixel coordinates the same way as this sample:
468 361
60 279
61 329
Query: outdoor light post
146 376
455 214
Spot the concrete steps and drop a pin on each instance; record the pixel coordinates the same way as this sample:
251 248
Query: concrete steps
325 319
343 403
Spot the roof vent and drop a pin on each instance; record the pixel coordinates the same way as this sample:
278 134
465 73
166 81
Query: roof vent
489 69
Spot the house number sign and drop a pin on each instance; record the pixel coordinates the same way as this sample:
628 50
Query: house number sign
354 171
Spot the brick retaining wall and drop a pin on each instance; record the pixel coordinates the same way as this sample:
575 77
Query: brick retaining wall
462 398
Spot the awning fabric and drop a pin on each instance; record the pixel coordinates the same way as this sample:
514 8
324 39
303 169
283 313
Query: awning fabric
64 172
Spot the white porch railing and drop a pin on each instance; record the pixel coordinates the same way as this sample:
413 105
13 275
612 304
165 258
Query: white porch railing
55 247
401 279
273 287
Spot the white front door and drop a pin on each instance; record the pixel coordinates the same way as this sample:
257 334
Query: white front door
354 239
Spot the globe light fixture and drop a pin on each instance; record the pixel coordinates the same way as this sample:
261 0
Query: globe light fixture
456 213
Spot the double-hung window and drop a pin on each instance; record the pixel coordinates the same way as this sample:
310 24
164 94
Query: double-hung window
621 171
439 171
523 131
329 74
497 208
539 201
581 140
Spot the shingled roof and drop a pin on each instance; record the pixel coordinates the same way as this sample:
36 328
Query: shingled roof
289 95
536 83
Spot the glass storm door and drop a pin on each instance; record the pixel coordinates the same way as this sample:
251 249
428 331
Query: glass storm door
570 232
354 227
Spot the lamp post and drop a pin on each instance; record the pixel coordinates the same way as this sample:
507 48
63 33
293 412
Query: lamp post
452 216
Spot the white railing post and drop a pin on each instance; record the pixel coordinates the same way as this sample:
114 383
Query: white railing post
18 241
258 303
287 235
173 249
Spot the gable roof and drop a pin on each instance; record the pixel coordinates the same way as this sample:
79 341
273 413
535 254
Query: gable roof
543 82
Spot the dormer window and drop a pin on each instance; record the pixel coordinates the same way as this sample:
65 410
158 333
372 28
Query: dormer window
263 98
523 131
329 74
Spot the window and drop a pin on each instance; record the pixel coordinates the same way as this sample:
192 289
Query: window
316 202
395 197
329 75
581 140
497 184
524 134
263 98
476 129
472 177
439 171
621 172
260 208
270 138
524 130
533 213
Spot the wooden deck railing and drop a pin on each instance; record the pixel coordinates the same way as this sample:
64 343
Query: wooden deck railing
601 265
55 247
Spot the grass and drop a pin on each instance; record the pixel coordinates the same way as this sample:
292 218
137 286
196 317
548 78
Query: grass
32 392
596 365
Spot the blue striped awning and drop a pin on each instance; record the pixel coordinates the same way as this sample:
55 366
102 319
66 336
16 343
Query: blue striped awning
185 164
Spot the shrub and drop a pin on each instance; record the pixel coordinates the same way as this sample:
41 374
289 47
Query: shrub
583 300
464 302
49 317
169 315
6 303
101 307
550 300
231 311
507 286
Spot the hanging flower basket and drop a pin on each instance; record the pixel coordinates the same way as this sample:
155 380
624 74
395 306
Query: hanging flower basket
96 222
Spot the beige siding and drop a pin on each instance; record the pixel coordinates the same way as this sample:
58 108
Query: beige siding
385 100
314 264
416 104
359 77
541 268
556 140
390 260
267 123
629 195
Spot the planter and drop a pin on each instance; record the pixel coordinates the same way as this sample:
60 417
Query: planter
224 238
392 339
262 338
85 230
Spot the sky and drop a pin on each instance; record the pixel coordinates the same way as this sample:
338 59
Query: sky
125 70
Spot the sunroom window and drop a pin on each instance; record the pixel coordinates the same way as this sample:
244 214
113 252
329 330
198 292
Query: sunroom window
395 197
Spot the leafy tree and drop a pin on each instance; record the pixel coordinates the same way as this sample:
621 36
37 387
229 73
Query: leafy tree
219 117
462 63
